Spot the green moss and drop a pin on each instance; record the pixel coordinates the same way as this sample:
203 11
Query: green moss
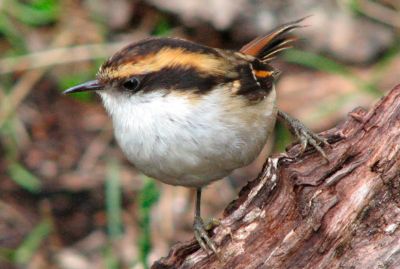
148 196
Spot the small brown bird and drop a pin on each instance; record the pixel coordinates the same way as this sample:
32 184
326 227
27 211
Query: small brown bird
188 115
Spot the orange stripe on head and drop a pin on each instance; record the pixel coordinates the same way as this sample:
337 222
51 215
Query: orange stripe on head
167 58
262 73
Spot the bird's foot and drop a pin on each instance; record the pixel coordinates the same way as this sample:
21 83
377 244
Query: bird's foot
305 135
201 235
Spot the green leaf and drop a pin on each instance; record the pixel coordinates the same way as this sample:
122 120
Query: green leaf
37 13
111 260
324 64
317 62
24 178
282 137
25 251
147 197
354 6
12 35
113 200
162 28
6 254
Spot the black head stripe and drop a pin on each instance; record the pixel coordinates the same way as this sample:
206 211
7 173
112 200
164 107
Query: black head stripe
181 78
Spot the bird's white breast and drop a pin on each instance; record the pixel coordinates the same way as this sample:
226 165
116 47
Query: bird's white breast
187 141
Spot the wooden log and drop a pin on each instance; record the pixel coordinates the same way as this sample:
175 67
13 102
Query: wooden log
303 213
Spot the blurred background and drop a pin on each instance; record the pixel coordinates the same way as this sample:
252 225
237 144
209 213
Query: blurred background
68 197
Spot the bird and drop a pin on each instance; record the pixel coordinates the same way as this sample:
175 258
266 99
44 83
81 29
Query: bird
188 114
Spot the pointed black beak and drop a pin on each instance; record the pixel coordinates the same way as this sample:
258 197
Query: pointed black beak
92 85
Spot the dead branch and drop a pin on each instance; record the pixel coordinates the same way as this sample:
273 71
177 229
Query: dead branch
303 213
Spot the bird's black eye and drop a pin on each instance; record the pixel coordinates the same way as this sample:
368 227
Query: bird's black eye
132 84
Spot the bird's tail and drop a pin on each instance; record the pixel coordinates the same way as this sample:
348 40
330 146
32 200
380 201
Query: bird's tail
266 47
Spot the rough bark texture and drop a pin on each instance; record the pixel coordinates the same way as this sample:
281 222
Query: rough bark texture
304 213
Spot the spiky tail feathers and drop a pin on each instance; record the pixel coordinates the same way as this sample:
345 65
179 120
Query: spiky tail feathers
266 47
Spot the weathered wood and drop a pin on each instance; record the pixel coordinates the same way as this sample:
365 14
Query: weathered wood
303 213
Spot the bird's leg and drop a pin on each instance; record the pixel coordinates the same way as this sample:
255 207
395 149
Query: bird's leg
305 135
200 231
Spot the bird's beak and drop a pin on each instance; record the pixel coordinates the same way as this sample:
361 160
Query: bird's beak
93 85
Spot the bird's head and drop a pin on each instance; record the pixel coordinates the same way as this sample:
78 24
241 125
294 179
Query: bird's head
159 66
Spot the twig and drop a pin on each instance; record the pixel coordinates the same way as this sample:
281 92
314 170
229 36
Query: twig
11 101
58 56
20 91
380 12
95 149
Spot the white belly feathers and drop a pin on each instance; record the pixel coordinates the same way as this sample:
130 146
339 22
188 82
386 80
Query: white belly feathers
190 141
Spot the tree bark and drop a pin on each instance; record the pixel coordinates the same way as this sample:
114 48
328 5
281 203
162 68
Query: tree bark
301 212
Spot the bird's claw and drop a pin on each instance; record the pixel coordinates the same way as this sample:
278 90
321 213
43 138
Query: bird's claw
201 235
305 135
